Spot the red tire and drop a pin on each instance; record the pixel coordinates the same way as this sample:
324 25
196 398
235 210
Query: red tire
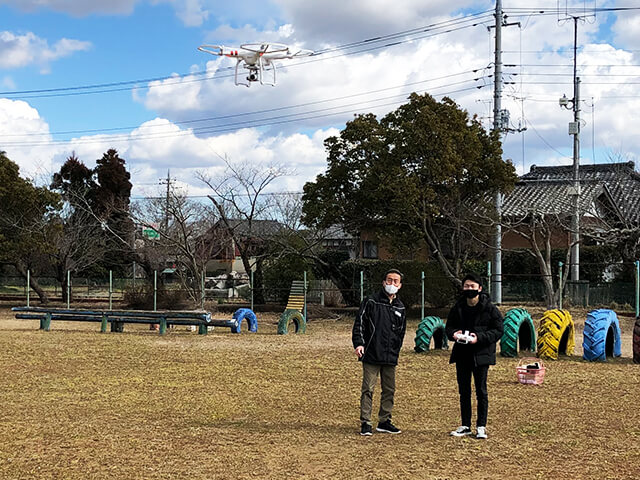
636 341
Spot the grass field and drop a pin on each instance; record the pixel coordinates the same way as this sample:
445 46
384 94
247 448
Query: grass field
77 404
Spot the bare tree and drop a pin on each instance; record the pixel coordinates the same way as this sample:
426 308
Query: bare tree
546 225
185 240
239 196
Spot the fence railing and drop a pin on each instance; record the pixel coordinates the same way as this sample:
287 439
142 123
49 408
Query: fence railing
421 291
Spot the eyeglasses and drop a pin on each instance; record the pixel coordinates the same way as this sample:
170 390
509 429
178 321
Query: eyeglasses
392 281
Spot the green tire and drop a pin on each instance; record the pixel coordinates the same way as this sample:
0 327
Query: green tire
518 332
430 327
294 317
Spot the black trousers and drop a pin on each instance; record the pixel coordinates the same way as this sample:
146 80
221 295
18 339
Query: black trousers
464 371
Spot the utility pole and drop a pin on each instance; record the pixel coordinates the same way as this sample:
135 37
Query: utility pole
575 220
496 279
574 129
500 124
167 182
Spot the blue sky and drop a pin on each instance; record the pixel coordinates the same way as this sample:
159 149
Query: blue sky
61 44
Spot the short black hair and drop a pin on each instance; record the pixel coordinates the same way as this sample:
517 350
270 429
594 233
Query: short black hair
474 277
396 271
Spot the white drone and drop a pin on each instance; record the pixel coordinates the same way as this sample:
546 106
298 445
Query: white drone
258 58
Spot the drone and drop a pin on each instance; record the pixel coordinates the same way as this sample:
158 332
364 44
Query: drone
257 58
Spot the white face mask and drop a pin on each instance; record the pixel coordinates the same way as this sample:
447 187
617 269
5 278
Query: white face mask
390 289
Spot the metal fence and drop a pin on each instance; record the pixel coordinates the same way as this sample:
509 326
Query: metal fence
418 292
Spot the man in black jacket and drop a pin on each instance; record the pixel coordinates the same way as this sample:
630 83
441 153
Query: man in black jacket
475 324
377 336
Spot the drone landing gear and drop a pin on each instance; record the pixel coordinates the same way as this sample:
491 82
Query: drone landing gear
257 73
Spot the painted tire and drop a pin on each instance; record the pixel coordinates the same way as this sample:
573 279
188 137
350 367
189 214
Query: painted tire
518 330
601 336
636 341
248 315
292 316
556 334
431 327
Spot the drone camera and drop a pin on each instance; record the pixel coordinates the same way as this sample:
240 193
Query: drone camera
252 77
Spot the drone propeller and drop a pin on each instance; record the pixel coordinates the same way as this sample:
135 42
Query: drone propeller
212 49
265 47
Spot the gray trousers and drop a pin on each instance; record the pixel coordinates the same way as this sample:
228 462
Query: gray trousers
370 373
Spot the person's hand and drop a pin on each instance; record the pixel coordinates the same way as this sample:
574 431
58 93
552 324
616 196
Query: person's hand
359 351
457 334
474 338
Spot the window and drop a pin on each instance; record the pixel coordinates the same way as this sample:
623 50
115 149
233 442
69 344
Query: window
369 249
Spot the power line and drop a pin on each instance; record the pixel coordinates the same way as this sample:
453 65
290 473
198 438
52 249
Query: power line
235 126
450 26
250 113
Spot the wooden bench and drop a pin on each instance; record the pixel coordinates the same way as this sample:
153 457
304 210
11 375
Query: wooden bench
117 318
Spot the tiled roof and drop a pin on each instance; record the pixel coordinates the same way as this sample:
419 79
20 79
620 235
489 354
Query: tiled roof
546 187
259 228
552 197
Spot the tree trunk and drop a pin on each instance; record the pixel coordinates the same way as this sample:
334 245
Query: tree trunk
33 282
258 280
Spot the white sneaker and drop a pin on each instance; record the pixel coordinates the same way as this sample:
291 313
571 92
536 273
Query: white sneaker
482 433
461 432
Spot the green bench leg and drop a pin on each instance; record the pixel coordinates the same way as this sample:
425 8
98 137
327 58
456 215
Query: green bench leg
103 324
45 323
117 327
163 326
202 329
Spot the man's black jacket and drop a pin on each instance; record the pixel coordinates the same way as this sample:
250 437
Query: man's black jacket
487 325
379 328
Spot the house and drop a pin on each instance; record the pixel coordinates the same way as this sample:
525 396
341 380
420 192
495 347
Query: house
609 194
226 258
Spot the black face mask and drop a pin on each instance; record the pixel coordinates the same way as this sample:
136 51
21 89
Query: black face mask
471 293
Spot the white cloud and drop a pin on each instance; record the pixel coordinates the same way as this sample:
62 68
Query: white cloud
339 21
21 50
75 7
191 12
157 146
34 160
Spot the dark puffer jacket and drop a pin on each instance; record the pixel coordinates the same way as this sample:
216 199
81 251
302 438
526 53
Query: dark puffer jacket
379 328
487 325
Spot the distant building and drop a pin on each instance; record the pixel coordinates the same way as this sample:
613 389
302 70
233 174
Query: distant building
608 193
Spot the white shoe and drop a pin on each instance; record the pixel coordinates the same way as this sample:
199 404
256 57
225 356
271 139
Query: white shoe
482 433
461 432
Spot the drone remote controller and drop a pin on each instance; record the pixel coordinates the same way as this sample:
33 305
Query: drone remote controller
464 338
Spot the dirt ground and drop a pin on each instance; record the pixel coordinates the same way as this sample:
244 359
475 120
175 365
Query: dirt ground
78 404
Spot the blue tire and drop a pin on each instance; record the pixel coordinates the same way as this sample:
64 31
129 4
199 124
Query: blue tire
601 336
248 315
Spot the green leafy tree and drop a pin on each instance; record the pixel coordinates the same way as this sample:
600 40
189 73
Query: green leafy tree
26 213
111 204
96 233
417 176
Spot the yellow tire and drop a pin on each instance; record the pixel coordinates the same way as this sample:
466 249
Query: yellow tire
556 335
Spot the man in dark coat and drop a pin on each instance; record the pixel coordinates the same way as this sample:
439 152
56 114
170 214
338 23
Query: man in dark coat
377 336
475 324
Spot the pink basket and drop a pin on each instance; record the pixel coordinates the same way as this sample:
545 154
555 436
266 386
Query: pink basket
530 371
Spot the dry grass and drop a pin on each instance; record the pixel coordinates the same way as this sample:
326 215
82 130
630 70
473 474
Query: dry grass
77 404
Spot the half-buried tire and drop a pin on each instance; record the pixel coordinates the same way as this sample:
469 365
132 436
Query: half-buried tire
636 341
556 334
248 315
518 332
601 336
430 327
292 317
